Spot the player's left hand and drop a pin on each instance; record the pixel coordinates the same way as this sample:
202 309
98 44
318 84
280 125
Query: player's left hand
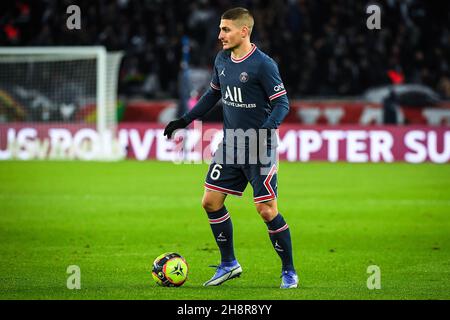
268 136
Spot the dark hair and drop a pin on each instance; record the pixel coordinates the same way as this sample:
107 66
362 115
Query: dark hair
241 14
236 13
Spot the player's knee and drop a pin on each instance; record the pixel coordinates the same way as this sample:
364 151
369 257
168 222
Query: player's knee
211 205
266 211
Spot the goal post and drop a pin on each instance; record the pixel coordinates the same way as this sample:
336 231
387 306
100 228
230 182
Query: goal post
62 86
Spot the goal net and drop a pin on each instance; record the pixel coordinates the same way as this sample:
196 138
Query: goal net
71 87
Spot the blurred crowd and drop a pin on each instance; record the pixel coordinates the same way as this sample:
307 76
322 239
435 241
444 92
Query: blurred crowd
323 47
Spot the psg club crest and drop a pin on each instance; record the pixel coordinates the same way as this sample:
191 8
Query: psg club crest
243 77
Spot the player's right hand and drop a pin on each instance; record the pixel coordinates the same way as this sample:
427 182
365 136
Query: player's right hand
174 125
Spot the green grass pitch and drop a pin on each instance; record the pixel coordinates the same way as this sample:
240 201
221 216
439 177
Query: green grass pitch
113 219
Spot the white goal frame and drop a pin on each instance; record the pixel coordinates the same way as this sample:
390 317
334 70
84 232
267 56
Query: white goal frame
106 81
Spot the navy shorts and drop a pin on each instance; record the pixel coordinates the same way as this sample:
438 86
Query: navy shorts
233 178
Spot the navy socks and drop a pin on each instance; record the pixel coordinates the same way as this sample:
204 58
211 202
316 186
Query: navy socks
279 234
281 240
222 229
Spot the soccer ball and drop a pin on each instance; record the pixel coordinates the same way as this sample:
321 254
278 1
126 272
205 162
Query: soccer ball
170 270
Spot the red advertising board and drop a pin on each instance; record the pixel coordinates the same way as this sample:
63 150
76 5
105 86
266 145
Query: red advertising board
142 141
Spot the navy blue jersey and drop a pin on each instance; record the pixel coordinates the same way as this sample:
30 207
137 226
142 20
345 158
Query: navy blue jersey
247 86
252 92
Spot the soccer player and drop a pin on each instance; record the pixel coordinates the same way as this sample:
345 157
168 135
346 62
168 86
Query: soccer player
253 98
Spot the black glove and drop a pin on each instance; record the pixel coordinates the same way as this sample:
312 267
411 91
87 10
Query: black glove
174 125
268 139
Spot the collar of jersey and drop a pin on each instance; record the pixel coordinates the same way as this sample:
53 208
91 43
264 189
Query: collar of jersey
248 54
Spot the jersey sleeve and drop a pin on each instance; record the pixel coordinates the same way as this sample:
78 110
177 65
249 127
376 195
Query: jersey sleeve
215 84
271 80
274 89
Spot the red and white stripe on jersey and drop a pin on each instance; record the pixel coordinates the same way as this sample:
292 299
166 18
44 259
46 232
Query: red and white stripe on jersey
279 229
278 94
223 218
214 86
223 190
269 188
246 56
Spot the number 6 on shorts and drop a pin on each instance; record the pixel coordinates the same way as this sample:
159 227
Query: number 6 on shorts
215 173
